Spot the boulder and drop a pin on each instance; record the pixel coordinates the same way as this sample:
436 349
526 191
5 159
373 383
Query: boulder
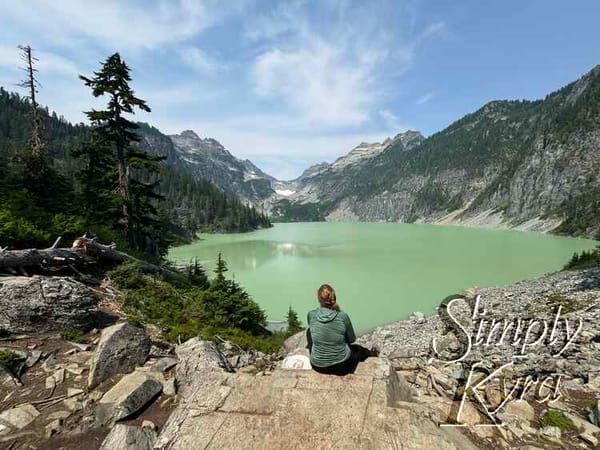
517 411
127 437
551 432
122 347
40 304
296 341
200 375
198 360
126 397
17 418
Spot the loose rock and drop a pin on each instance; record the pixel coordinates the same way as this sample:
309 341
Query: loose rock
122 347
18 418
164 364
126 397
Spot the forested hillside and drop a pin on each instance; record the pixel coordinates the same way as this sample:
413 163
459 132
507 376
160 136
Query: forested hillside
189 204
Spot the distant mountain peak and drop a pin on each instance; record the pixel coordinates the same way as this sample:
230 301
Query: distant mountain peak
189 134
409 139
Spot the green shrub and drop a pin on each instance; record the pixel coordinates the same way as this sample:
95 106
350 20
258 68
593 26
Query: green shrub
19 232
556 418
72 335
10 361
127 275
187 305
584 260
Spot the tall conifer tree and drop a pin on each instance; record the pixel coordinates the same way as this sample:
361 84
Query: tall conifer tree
136 171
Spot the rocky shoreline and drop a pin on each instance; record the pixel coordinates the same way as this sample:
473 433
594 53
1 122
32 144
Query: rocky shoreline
408 345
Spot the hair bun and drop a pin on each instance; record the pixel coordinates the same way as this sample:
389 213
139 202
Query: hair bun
326 296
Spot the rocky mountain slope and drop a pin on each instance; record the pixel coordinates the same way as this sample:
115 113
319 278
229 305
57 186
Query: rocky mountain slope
207 159
303 198
526 164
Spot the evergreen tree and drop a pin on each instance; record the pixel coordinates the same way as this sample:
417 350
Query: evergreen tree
31 84
294 324
137 172
220 270
49 189
111 125
197 275
99 204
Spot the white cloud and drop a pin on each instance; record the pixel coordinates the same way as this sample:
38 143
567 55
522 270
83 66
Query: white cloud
199 60
115 23
393 121
335 76
304 84
424 98
317 83
434 29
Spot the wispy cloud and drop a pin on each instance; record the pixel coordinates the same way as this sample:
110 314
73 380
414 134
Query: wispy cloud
317 83
393 121
116 24
334 76
199 60
48 61
424 98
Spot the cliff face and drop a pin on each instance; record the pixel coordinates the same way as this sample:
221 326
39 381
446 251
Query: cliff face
524 164
207 159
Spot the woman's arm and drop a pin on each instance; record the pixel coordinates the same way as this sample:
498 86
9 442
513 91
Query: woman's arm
308 339
308 335
350 335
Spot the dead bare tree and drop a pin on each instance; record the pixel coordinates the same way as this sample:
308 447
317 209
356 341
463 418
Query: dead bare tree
31 84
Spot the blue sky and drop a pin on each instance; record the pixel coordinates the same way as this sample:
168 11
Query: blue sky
291 83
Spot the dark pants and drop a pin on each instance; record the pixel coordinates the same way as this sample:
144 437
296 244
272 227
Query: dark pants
357 354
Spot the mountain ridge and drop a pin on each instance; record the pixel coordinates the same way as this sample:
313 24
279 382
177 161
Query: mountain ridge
510 164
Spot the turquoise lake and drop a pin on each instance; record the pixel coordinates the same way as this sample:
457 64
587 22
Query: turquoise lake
381 271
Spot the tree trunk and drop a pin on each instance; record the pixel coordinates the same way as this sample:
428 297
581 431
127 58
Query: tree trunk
83 253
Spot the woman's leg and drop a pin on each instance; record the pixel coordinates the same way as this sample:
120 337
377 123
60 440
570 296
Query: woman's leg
340 369
361 353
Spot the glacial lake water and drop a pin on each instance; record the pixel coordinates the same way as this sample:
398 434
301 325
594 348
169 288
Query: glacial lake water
381 272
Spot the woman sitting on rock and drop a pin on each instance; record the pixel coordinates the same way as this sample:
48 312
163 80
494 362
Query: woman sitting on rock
330 337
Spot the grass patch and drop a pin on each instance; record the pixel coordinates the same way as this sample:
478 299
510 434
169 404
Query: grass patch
555 418
72 335
556 300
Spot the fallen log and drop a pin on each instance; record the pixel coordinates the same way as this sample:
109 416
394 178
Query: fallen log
84 252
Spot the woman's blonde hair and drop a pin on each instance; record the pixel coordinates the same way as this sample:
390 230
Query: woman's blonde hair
326 296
